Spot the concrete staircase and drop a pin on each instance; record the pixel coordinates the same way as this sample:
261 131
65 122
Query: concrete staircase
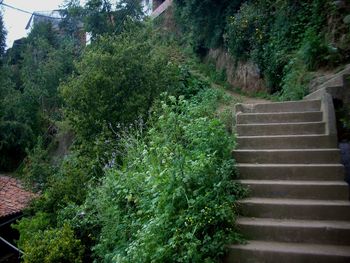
299 209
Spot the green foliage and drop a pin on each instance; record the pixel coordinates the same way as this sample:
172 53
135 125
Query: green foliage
172 199
190 85
102 18
208 69
29 101
2 37
245 30
269 33
116 82
68 184
315 52
37 169
15 134
53 246
295 81
145 180
28 227
72 22
312 54
204 21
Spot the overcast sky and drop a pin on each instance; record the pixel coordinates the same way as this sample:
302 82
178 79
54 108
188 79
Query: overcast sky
16 21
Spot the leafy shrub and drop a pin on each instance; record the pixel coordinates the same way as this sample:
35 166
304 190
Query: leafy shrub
37 169
295 81
245 30
208 69
173 198
312 54
189 85
204 21
116 82
269 33
43 243
313 50
29 98
53 246
28 226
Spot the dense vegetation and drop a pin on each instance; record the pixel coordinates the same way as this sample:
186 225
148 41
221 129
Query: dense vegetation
286 39
30 104
148 175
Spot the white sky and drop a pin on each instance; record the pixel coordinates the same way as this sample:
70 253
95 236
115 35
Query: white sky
16 21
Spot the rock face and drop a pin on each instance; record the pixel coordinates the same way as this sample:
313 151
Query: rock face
299 209
245 75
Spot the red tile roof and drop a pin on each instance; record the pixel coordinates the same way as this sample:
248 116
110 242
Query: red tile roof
13 197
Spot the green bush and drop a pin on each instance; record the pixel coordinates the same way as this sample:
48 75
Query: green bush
116 82
295 81
245 30
28 94
173 199
44 243
37 168
269 33
53 246
189 85
204 21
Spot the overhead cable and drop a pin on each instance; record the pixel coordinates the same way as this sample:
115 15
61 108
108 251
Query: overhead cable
26 11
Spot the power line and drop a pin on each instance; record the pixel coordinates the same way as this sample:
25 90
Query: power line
26 11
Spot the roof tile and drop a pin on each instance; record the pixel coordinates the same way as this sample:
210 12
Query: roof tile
13 197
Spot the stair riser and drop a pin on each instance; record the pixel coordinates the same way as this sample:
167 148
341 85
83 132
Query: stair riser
279 118
299 106
296 211
314 235
317 192
314 142
288 157
296 173
256 256
281 129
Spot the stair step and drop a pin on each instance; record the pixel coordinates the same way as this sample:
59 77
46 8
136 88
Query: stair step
324 172
278 252
296 208
297 156
321 190
298 231
287 142
289 106
279 117
281 128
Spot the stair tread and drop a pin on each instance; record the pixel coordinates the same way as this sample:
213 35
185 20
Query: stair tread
279 113
288 150
293 223
288 201
331 250
294 182
283 136
288 165
272 136
289 106
280 123
291 102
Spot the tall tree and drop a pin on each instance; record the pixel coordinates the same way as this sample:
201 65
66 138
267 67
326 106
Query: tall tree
102 17
2 36
30 108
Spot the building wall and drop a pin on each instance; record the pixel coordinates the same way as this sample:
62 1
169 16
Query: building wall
156 4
